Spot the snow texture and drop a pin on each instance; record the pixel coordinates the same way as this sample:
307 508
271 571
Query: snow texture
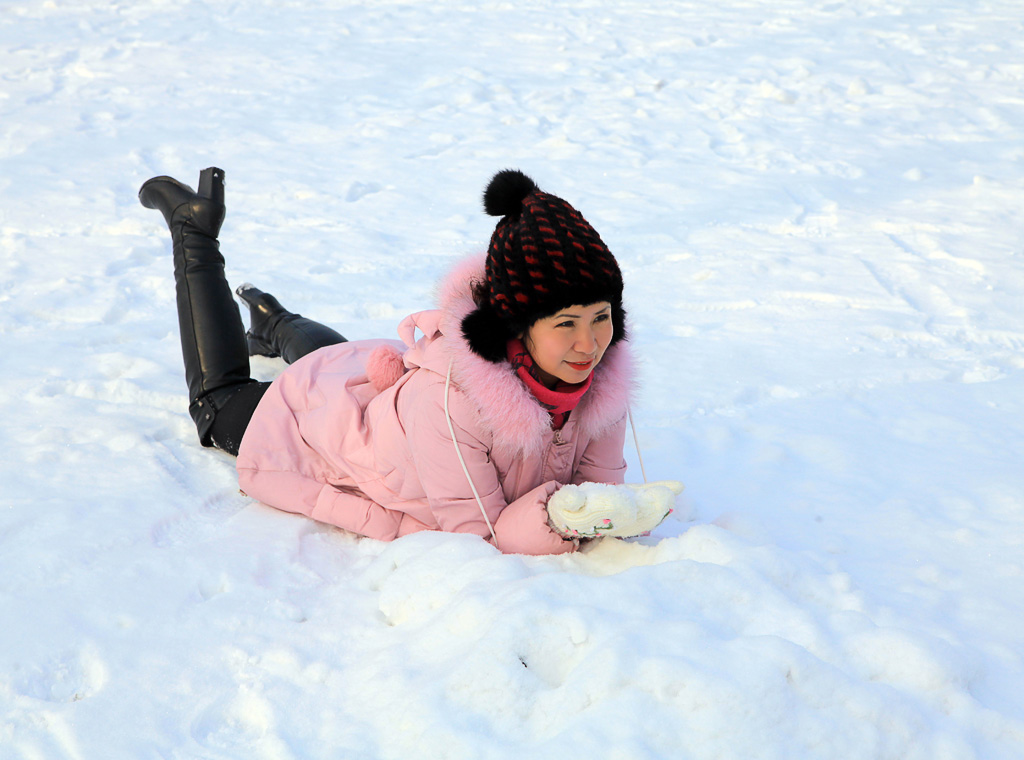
817 209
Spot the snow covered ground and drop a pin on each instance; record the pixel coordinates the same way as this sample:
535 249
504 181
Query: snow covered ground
817 207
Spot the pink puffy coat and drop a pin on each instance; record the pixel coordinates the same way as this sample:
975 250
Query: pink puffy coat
356 435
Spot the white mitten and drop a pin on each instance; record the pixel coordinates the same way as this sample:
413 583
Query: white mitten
600 509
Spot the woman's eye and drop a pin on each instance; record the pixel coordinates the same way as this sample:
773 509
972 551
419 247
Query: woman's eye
564 324
603 317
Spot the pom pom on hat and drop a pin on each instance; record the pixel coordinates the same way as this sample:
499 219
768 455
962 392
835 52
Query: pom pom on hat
505 192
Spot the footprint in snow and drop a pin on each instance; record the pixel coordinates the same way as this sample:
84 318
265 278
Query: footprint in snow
238 720
200 524
359 190
67 677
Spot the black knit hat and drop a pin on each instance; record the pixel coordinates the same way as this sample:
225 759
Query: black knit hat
543 256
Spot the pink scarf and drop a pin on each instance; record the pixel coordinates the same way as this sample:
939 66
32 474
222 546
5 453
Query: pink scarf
559 401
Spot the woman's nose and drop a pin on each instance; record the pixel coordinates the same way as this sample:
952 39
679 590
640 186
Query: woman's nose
586 341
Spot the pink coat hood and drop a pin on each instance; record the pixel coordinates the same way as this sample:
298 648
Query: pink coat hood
357 434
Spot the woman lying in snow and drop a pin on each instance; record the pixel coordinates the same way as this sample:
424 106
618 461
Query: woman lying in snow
502 420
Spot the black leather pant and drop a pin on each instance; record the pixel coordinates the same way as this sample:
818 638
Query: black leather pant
232 418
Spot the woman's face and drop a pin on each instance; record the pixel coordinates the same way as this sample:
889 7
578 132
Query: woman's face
568 344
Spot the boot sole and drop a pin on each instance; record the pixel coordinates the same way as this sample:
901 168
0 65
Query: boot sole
244 288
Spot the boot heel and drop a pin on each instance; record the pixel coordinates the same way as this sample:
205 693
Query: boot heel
211 184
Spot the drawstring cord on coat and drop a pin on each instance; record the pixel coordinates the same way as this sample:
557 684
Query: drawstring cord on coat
469 478
636 442
465 469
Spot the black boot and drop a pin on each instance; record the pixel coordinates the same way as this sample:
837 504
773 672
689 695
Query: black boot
212 336
275 331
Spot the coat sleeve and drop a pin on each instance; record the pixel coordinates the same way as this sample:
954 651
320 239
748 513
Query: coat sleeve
520 527
602 460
